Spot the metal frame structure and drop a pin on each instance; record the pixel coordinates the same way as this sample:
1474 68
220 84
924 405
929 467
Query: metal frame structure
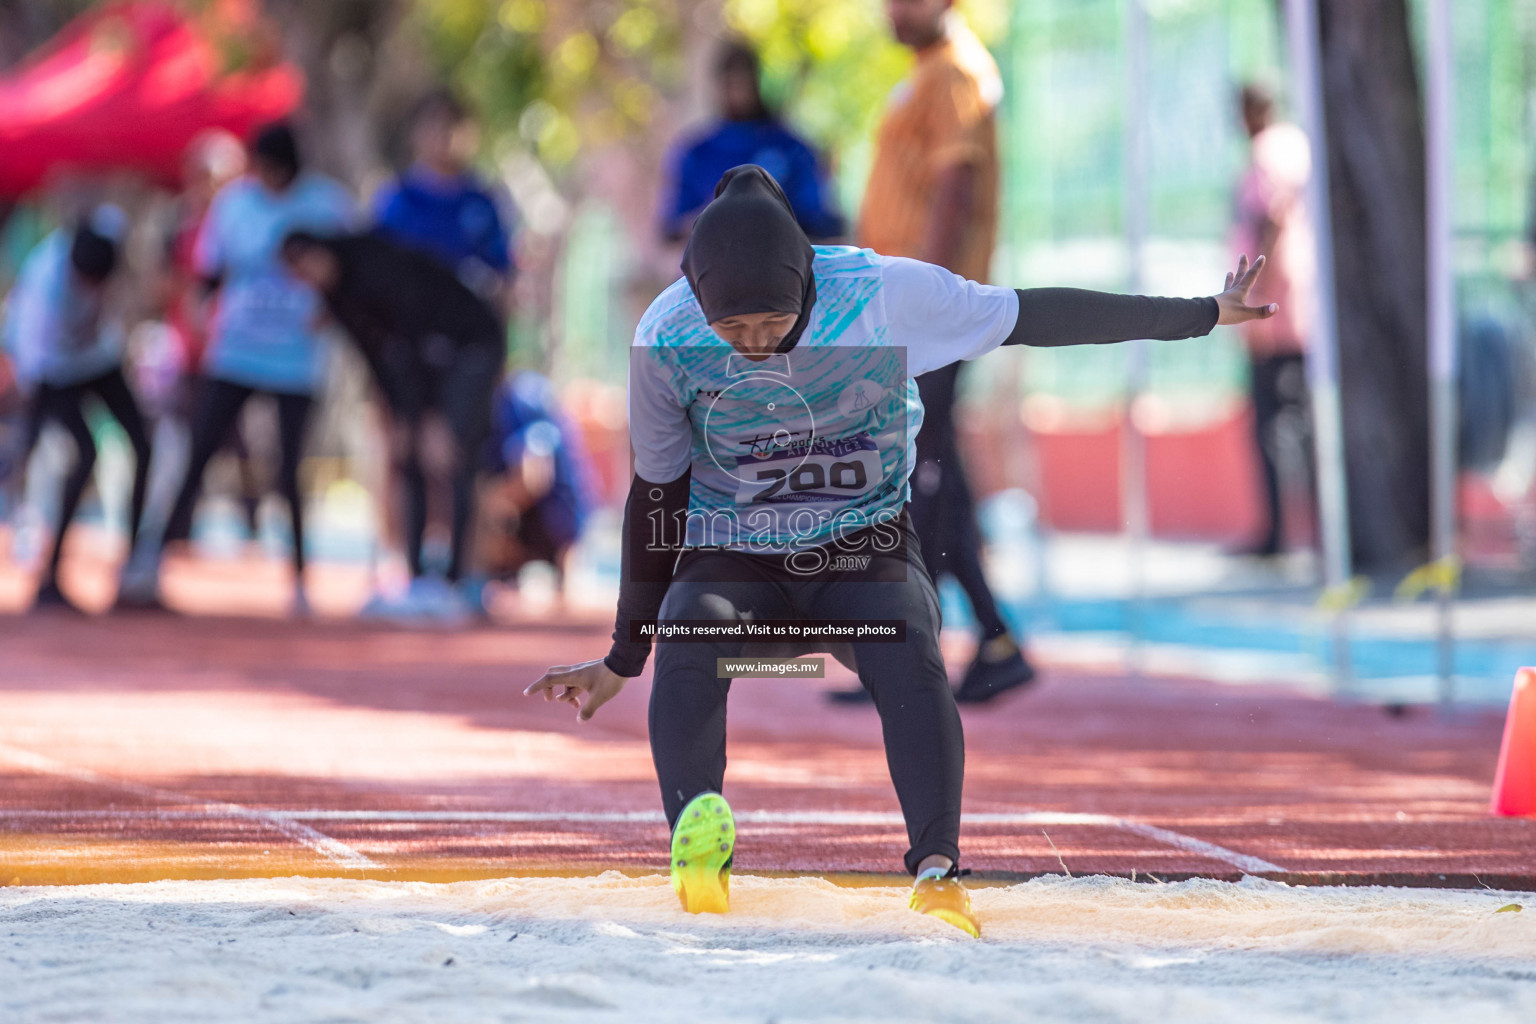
1323 349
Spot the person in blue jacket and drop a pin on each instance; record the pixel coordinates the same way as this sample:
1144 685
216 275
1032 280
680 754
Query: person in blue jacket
439 206
748 132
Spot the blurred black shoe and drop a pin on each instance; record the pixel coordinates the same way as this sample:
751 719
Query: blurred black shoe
987 680
51 599
136 604
857 695
138 588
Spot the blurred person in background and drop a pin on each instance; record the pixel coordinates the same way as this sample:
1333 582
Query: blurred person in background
264 337
439 206
213 159
539 487
437 351
67 347
1271 217
13 416
932 195
748 132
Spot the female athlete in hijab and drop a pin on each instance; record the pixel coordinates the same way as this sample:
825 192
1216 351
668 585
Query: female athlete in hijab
772 413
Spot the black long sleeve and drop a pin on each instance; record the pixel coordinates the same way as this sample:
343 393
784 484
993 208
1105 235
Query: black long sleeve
1050 317
654 520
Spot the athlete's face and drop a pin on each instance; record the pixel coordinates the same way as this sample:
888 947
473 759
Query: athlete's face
755 335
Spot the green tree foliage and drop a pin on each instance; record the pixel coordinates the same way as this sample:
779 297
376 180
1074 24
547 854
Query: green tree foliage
830 66
560 76
563 76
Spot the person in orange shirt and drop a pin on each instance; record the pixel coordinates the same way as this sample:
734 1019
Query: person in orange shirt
933 195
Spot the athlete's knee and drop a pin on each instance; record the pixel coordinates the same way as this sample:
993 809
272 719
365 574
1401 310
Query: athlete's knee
692 601
681 662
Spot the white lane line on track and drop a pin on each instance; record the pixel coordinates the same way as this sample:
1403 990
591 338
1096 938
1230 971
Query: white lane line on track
1189 844
1252 865
332 850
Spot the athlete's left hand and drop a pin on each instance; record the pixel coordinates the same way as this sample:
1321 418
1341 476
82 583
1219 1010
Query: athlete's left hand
570 683
1232 303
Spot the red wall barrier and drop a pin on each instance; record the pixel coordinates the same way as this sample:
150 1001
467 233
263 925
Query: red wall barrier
1202 483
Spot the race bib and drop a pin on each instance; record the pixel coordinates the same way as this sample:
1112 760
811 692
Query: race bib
825 471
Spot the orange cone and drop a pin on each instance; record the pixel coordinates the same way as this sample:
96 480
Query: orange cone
1514 785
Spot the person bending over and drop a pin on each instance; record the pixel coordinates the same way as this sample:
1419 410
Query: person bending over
773 414
434 347
68 348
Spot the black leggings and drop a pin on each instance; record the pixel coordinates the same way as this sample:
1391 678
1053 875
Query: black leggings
463 392
943 512
924 744
218 409
65 405
1281 418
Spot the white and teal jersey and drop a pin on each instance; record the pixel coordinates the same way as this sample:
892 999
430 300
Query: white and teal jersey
798 448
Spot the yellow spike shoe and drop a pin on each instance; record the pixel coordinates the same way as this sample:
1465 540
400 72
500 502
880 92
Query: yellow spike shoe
702 846
945 898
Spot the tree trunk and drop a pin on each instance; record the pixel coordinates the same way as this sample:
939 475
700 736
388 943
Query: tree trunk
1376 165
27 24
362 71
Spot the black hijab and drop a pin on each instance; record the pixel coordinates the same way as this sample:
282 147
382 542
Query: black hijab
748 254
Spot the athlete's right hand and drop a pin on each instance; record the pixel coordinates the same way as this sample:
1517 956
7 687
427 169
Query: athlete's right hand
1232 304
585 687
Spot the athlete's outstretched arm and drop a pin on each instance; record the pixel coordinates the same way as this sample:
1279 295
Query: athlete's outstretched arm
649 554
1074 316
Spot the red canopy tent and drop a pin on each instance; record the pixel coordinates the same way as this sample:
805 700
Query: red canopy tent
127 86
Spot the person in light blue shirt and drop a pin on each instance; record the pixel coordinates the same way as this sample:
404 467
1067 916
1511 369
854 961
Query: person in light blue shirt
265 336
67 348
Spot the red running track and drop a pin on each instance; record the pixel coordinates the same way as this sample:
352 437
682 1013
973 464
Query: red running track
136 748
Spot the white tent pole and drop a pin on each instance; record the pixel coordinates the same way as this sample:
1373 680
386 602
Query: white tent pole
1440 239
1133 447
1323 350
